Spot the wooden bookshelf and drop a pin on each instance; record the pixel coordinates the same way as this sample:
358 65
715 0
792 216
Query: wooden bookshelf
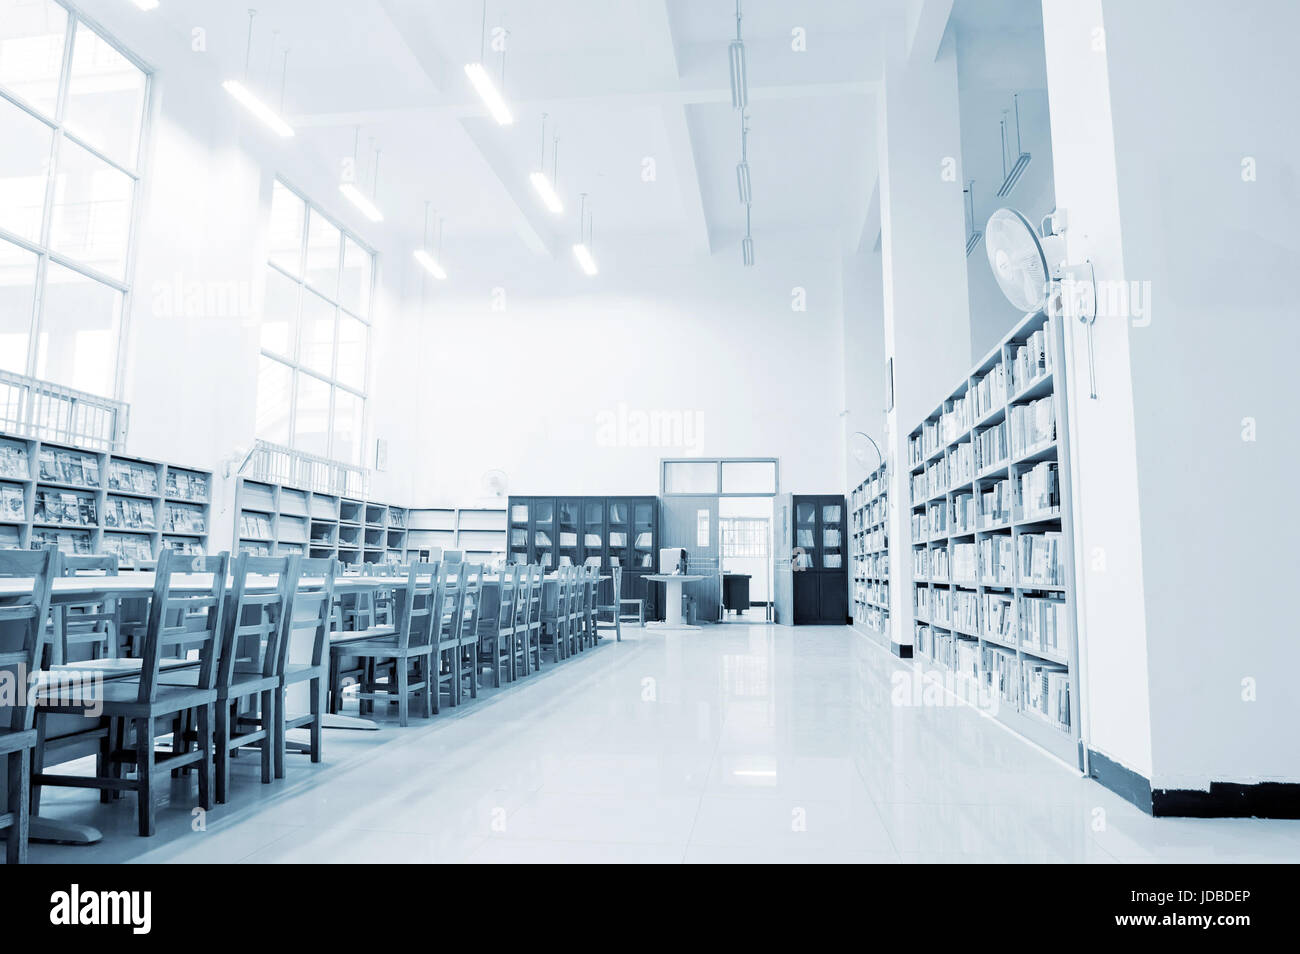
869 546
991 541
276 519
480 532
85 501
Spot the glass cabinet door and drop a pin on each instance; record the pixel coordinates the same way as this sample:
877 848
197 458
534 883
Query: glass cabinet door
832 536
544 532
643 536
806 535
593 533
570 519
518 530
619 538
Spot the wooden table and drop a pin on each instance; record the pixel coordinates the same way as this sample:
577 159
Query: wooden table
673 618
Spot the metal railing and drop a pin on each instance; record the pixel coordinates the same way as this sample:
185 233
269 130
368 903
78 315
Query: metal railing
277 464
30 407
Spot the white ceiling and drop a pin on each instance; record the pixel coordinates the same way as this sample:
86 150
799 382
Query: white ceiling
623 81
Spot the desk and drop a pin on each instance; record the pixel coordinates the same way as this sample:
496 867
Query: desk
673 611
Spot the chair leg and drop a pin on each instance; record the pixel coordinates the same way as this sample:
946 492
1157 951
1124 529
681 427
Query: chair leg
221 741
37 762
277 721
268 735
205 763
403 700
144 739
336 690
317 704
19 767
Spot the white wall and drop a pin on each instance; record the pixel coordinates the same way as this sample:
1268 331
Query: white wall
864 356
1219 512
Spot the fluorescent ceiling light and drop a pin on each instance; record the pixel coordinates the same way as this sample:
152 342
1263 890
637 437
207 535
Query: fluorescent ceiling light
739 80
546 191
361 201
482 83
430 264
583 255
146 4
742 183
258 108
747 250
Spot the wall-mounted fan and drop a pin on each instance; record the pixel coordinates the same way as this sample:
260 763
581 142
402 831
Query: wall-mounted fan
864 450
1030 268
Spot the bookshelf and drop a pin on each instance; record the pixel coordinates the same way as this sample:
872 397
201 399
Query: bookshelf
478 531
991 545
869 544
95 502
276 519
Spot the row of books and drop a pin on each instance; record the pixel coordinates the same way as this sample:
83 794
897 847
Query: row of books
129 513
966 611
1039 558
955 419
920 446
995 560
989 391
1033 424
68 467
65 541
1039 688
13 503
999 622
252 524
1042 625
920 526
129 548
964 558
1030 360
14 461
187 485
963 513
53 506
133 476
995 504
1047 692
991 447
940 607
1040 491
875 565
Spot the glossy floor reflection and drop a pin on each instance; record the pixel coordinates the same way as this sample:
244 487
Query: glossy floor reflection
735 743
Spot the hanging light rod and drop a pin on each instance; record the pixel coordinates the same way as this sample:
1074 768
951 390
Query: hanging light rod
739 78
742 167
366 203
546 187
973 235
1012 176
582 249
429 263
482 82
747 243
246 98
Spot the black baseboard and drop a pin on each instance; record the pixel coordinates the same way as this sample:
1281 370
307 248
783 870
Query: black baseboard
1223 800
901 651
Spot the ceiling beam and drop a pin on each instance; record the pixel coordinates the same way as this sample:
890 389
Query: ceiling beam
680 144
927 21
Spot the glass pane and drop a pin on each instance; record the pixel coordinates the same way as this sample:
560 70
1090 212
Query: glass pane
352 352
316 349
806 513
92 210
24 168
347 427
77 344
105 98
748 477
322 254
284 241
17 296
311 416
31 51
274 381
691 477
280 314
354 289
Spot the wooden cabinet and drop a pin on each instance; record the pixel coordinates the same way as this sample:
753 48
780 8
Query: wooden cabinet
819 559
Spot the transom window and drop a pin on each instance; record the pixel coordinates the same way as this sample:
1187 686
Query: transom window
72 108
315 332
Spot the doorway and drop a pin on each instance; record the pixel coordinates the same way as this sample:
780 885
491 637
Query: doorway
745 544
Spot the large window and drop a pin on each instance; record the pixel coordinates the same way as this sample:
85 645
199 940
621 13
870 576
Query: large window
72 109
311 389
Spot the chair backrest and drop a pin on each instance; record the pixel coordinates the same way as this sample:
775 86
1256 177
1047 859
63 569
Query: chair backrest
310 609
471 597
523 594
451 580
198 606
415 606
256 615
618 586
510 590
22 629
99 564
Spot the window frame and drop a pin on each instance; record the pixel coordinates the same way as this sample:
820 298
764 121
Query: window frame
294 361
41 247
720 490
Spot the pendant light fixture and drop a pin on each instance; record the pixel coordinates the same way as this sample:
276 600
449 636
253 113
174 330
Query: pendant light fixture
742 167
973 235
424 257
736 65
582 250
482 81
747 243
239 89
543 186
351 192
1012 170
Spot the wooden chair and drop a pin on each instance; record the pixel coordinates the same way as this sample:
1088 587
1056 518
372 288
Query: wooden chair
589 604
556 621
409 649
471 595
520 649
249 674
146 703
97 625
22 628
497 633
615 621
346 667
446 629
620 601
310 610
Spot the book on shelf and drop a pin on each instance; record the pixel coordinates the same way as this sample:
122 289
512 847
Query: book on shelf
187 485
1033 424
129 548
128 513
963 512
1040 559
991 446
14 461
568 539
964 560
13 503
1042 624
180 519
990 391
65 541
68 467
1030 360
995 504
1047 692
996 560
253 524
1040 491
999 621
132 476
52 506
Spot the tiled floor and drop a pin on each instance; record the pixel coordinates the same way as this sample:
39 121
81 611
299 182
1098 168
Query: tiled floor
734 743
